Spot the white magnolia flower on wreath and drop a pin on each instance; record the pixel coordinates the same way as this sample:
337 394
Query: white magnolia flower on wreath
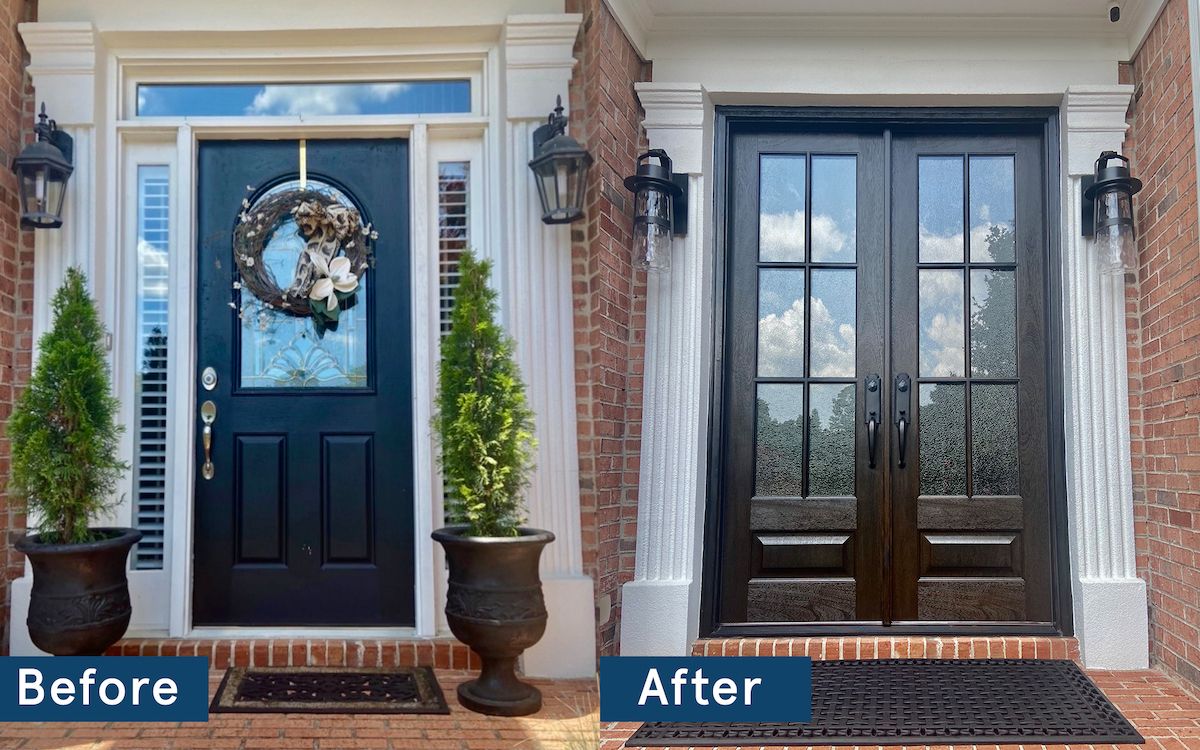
335 276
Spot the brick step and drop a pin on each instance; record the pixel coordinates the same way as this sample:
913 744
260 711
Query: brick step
893 647
441 653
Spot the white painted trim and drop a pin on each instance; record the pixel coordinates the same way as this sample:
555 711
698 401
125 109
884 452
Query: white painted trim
1141 18
661 605
428 340
424 274
533 272
1109 599
635 18
149 589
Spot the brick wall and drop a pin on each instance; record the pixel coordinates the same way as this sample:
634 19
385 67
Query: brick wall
16 268
1164 342
609 308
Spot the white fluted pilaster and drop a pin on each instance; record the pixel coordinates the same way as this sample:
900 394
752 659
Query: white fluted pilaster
660 607
534 271
1110 610
62 64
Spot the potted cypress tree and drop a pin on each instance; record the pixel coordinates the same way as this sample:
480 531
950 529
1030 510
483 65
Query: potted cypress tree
65 467
494 602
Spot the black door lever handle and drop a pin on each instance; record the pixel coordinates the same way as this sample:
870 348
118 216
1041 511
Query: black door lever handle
901 403
872 416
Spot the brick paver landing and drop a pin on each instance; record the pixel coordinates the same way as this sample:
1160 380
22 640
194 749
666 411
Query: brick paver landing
568 721
1166 715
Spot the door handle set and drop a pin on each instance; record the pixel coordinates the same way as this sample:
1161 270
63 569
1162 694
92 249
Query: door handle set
902 401
208 415
872 414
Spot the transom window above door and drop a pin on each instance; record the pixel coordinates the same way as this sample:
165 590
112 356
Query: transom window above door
303 99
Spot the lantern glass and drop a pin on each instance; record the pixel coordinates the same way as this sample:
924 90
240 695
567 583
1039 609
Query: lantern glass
42 191
1114 238
561 178
652 228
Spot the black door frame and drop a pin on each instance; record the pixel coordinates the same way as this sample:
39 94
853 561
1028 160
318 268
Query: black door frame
1043 121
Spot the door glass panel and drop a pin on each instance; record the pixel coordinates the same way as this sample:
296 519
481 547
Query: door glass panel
831 435
834 208
833 333
779 440
943 439
940 209
781 208
994 439
993 324
992 209
283 351
941 319
780 323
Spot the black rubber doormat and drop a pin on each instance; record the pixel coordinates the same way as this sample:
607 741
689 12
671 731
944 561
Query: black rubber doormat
929 701
330 690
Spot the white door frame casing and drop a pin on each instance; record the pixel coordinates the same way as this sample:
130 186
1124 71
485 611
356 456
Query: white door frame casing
67 61
661 605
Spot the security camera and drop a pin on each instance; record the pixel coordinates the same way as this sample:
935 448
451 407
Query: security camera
1114 11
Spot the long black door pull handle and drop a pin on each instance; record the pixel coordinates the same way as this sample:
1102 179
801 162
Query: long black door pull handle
902 403
871 416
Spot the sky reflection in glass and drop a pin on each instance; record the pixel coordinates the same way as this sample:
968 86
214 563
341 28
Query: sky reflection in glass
312 99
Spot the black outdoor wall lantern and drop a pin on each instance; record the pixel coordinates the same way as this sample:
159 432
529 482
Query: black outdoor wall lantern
660 209
1108 211
43 168
561 167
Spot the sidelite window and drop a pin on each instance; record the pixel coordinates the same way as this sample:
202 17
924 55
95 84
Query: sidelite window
303 99
150 389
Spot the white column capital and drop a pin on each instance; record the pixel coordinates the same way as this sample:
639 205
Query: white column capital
675 115
538 60
62 63
1093 121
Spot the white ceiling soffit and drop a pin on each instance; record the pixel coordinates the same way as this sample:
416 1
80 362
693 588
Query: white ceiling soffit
643 19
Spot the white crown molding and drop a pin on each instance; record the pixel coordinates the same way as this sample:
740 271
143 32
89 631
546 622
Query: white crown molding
1094 120
538 60
62 64
675 121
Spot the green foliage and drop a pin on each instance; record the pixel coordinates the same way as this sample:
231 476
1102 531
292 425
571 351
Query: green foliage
483 424
63 431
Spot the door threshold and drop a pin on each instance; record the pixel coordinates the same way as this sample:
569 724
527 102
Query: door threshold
300 631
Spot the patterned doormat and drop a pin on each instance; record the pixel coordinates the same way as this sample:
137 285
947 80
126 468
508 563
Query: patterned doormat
928 701
330 690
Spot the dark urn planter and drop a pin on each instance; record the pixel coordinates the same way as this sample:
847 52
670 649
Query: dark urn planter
80 600
494 605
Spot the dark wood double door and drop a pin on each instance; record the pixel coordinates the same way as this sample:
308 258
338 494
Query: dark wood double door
885 414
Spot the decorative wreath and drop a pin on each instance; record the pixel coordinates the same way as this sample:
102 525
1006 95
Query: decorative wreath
337 254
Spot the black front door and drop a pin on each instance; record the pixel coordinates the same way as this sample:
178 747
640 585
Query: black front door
307 518
885 411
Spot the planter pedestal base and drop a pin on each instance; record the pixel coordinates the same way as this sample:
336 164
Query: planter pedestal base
498 692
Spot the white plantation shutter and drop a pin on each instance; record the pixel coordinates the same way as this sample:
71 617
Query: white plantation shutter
454 180
150 390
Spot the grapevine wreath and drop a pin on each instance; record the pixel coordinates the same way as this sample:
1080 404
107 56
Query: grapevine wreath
337 254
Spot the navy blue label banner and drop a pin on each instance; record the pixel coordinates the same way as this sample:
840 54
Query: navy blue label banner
117 688
706 688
